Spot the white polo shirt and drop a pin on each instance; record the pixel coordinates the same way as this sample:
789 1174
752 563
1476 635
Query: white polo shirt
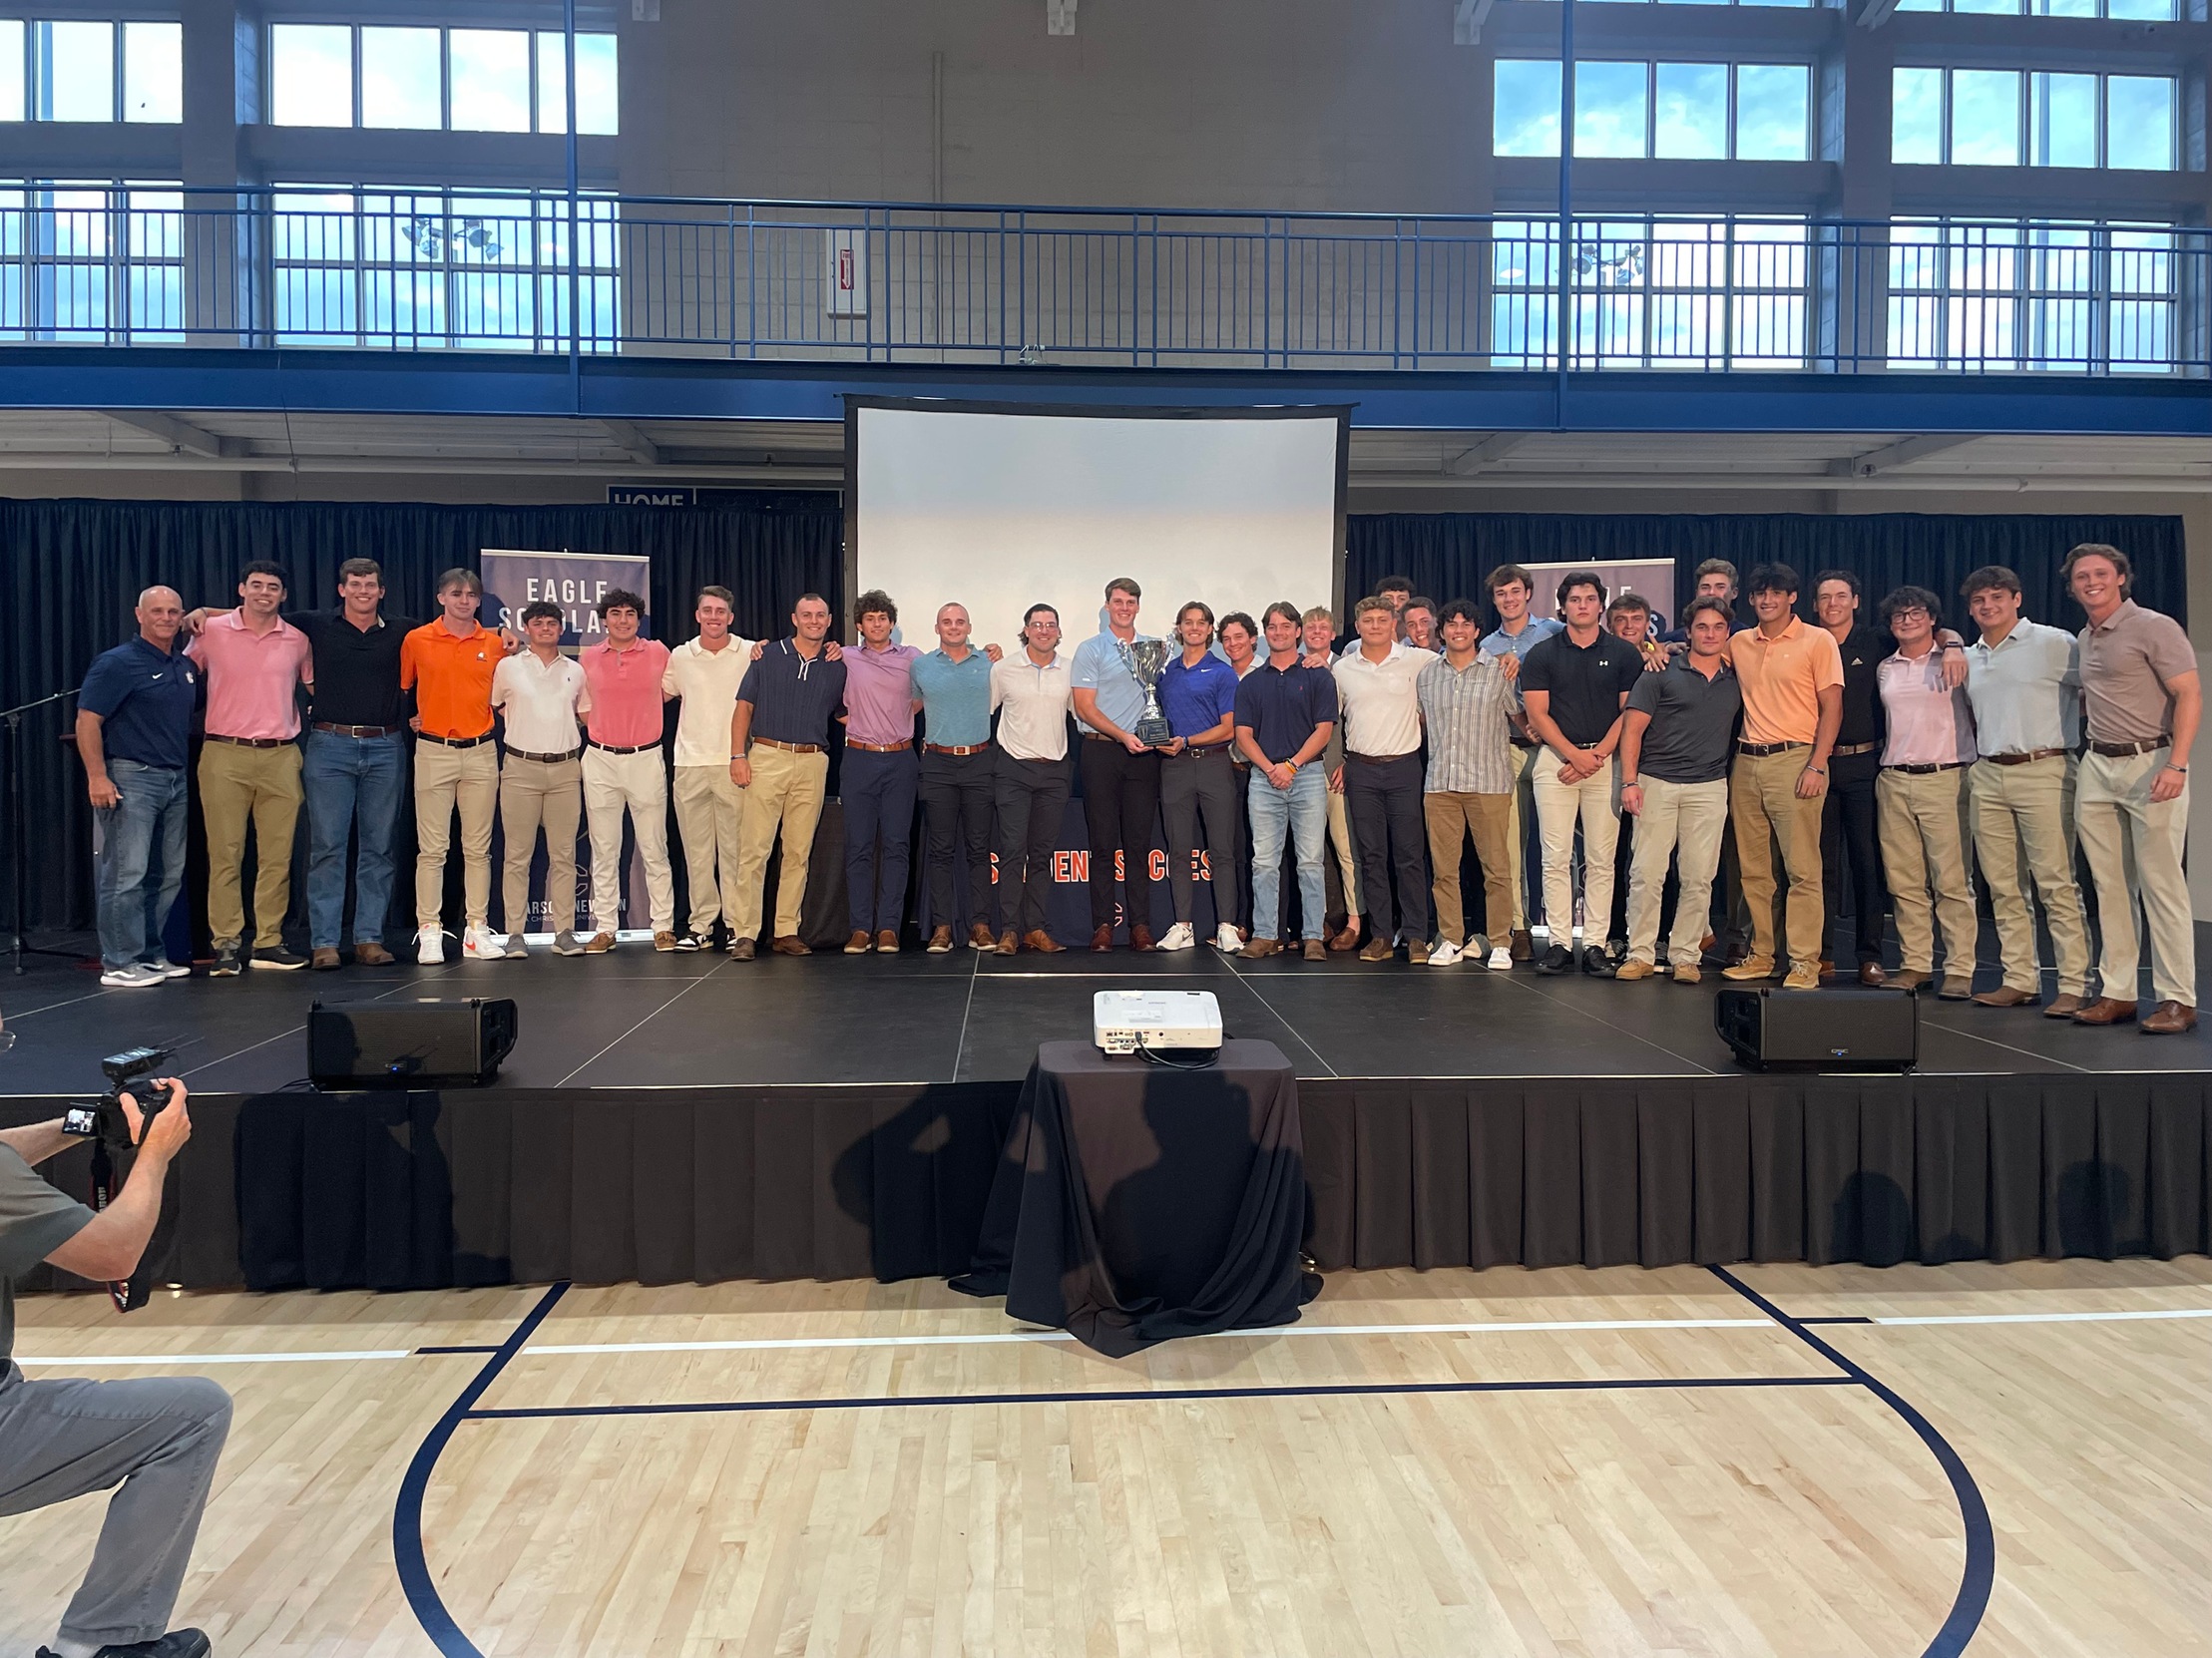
1382 700
541 701
708 681
1032 702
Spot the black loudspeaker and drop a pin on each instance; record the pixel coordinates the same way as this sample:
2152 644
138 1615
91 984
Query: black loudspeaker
1838 1029
429 1044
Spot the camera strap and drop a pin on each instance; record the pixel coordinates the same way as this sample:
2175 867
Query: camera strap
127 1294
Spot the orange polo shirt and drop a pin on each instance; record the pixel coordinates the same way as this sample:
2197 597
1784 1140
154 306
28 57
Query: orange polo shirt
1782 679
451 677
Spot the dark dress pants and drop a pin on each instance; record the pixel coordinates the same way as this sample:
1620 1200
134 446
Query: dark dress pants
1198 785
957 792
1121 801
1851 850
878 795
1032 795
1391 829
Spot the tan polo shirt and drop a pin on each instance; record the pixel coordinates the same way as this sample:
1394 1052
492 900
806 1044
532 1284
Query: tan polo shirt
1782 679
2126 663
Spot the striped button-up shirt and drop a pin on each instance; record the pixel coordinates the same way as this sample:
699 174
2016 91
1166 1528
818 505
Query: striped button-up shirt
1470 746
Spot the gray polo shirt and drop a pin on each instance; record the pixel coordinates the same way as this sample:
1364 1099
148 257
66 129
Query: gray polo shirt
1692 734
34 1220
2024 689
2125 665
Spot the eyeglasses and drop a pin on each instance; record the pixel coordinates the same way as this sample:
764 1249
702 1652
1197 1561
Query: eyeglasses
1914 612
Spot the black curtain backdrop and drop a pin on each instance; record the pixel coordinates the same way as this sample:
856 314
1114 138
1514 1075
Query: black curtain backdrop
71 571
1449 554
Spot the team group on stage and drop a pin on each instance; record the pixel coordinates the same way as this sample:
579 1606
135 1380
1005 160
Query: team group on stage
1721 785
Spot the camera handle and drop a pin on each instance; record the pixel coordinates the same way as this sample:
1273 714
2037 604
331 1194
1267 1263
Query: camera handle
128 1294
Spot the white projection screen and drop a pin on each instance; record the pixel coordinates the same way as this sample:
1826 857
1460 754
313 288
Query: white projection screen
1002 507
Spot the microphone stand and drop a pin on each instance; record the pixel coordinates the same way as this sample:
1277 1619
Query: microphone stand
19 945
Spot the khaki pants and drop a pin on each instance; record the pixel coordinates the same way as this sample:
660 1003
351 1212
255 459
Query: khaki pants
447 779
1685 822
1516 831
1920 818
2022 836
1347 853
638 783
785 794
2134 846
1764 808
240 786
1597 802
531 793
709 815
1450 818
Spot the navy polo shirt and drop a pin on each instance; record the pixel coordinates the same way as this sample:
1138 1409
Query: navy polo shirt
792 695
143 698
1197 699
1284 706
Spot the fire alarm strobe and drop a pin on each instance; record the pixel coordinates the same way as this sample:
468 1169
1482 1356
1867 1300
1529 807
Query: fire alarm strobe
1122 1022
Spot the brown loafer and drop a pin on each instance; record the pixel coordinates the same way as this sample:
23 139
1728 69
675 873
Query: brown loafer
371 954
2005 996
1870 972
1349 938
1008 942
1042 942
2106 1009
599 945
1378 950
978 937
1315 951
740 950
1141 936
2063 1006
664 941
790 943
1256 948
941 940
323 958
1957 989
887 943
2171 1019
1827 968
1103 940
1911 981
857 945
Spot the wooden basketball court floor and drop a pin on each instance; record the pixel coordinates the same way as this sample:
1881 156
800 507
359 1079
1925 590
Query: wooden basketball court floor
2001 1460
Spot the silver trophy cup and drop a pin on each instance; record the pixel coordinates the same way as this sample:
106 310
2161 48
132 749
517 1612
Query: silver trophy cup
1146 658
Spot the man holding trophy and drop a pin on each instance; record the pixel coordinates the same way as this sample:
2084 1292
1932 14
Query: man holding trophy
1114 678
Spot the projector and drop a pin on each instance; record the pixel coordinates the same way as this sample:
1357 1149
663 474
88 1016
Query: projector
1122 1022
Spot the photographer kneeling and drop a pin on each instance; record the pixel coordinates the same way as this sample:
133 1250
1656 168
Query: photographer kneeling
157 1437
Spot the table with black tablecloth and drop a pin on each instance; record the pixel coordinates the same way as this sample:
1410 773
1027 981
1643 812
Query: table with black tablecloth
1136 1203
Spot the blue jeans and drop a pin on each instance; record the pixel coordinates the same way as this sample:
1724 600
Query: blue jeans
1304 810
146 827
350 781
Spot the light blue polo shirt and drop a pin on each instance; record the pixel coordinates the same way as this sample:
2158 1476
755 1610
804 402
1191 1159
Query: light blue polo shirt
956 698
1098 666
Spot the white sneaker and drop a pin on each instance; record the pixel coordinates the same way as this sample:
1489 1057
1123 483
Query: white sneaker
430 946
1500 960
481 944
1445 954
1226 938
133 976
1178 937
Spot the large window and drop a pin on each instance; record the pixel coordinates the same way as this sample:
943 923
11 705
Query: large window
74 70
1746 112
92 263
438 267
2013 296
1653 292
462 79
2033 118
2153 11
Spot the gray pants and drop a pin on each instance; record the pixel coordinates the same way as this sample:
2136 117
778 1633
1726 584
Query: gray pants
1201 783
158 1438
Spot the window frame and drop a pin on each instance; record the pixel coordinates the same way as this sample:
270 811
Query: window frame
2026 135
530 34
118 26
1731 66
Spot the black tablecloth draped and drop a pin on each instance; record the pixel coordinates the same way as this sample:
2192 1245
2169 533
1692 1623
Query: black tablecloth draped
1136 1203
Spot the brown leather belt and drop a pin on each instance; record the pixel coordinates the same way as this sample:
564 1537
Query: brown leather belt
1760 750
1930 768
789 747
357 730
610 748
542 760
879 747
959 751
2121 750
251 742
454 742
2022 759
1851 748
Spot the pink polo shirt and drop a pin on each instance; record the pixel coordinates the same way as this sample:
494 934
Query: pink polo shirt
625 692
253 677
879 693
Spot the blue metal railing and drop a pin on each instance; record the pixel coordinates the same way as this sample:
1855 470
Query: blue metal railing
380 268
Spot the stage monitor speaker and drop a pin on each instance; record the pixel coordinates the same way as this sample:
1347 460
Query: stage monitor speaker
1838 1029
430 1043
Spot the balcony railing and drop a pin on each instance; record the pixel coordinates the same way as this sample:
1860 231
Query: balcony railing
448 269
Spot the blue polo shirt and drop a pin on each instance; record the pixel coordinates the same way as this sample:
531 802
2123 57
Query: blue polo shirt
1499 643
1284 706
956 698
143 698
1098 666
1197 699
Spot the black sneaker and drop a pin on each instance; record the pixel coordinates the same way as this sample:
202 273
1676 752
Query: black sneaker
279 958
1559 959
688 940
178 1643
1596 965
227 962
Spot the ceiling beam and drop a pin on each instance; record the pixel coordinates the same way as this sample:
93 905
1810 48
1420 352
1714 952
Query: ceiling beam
1901 453
1468 462
632 442
1467 19
1875 13
1059 17
182 436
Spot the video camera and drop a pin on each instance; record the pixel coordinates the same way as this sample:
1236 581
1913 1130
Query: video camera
104 1118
